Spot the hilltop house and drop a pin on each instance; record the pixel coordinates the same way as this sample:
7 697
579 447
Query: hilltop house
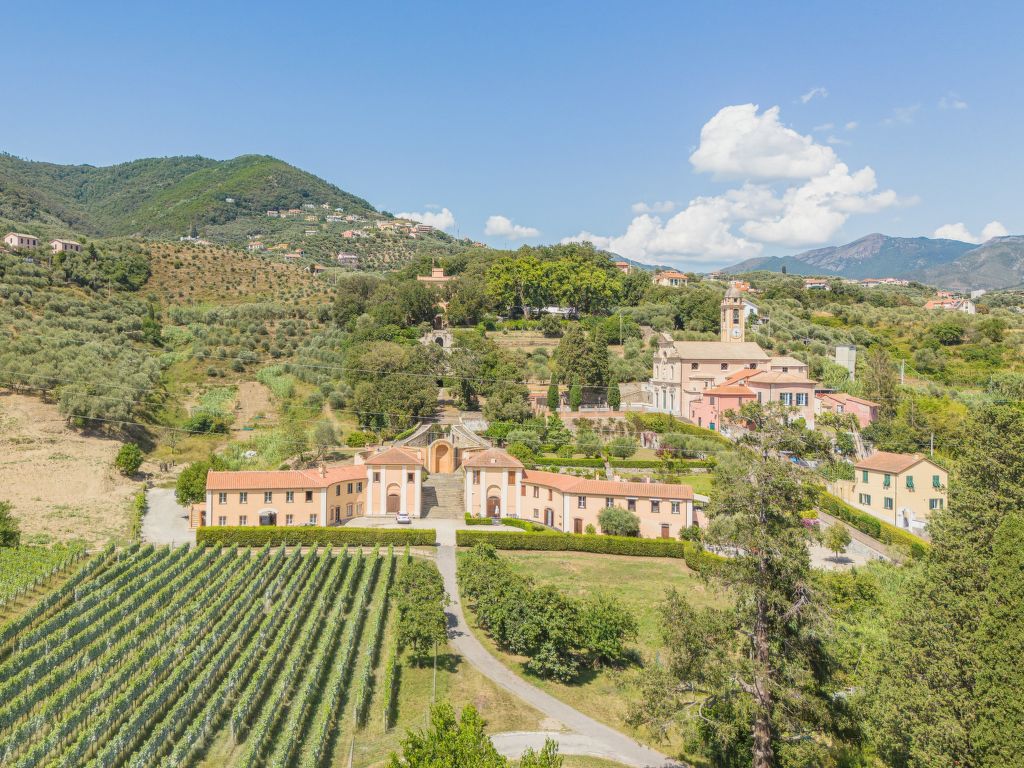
347 259
793 389
950 303
671 278
19 240
65 246
900 488
623 267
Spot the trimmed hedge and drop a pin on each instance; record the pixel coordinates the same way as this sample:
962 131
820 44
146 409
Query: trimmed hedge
257 536
526 525
871 525
470 520
696 558
549 461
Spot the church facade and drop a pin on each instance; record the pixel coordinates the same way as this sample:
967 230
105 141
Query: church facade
700 380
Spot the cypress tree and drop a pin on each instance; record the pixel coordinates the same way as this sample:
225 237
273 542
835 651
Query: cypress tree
998 734
554 400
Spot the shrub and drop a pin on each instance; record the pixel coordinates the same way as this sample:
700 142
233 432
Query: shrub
129 459
622 447
616 521
526 525
695 557
10 531
301 536
357 439
470 520
590 530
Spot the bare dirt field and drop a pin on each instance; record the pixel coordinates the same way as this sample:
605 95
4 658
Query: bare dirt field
254 406
62 484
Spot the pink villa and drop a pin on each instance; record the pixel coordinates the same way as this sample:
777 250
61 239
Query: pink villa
794 390
385 482
65 246
382 483
497 485
839 403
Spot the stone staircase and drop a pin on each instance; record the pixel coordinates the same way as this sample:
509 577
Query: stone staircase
443 496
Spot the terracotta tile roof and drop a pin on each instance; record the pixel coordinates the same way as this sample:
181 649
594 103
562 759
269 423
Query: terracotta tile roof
641 490
553 479
290 479
720 350
493 457
786 360
845 397
580 485
778 377
393 455
730 389
883 461
746 373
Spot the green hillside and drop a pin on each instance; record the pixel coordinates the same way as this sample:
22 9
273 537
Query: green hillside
160 196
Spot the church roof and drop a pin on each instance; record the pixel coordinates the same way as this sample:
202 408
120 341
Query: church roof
720 350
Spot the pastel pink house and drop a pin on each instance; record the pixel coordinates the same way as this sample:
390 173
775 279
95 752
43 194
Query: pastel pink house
839 403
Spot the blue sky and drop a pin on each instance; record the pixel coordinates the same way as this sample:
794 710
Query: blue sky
560 118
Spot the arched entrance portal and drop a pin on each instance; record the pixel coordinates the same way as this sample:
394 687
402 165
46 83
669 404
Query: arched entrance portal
442 457
394 499
493 506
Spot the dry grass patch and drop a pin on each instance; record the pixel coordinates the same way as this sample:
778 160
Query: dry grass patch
61 483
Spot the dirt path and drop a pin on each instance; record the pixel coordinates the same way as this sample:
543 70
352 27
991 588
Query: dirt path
61 483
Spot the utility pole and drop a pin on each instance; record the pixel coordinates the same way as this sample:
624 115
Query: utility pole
931 445
903 364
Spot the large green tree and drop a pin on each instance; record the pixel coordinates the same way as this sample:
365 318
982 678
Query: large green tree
927 702
752 682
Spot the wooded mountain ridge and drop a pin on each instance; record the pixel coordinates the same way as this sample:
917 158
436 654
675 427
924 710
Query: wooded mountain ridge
996 263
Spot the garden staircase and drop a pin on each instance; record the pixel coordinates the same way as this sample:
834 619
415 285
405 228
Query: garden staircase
443 496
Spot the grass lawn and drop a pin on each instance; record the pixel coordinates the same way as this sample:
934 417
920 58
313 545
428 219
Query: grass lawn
702 482
641 584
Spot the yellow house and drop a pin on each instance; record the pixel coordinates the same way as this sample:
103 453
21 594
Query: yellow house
900 488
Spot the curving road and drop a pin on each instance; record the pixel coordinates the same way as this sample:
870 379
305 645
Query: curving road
589 738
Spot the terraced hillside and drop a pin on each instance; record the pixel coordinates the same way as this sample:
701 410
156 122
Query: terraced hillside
147 656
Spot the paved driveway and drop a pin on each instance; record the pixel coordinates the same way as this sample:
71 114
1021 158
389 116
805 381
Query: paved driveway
166 522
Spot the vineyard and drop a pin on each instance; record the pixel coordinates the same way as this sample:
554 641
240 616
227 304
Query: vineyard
25 568
147 656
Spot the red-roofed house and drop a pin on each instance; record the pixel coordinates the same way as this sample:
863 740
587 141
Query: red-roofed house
791 389
497 485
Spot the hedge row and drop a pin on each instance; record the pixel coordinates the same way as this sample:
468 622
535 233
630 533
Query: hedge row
255 536
549 461
526 525
695 557
470 520
871 525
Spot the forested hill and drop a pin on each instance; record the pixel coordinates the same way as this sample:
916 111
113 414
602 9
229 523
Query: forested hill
161 197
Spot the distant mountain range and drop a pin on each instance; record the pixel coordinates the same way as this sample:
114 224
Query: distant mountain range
162 197
997 263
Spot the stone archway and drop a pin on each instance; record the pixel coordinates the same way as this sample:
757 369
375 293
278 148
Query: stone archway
442 457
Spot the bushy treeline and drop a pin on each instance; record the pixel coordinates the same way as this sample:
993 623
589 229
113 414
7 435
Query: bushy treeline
560 635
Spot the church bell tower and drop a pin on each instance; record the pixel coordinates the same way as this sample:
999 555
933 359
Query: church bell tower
733 319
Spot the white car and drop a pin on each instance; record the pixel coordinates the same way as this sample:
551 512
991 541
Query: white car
403 518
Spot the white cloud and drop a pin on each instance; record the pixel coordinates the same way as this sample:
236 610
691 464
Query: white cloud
661 206
952 101
502 226
739 142
823 127
443 219
795 192
903 115
851 125
960 232
814 93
